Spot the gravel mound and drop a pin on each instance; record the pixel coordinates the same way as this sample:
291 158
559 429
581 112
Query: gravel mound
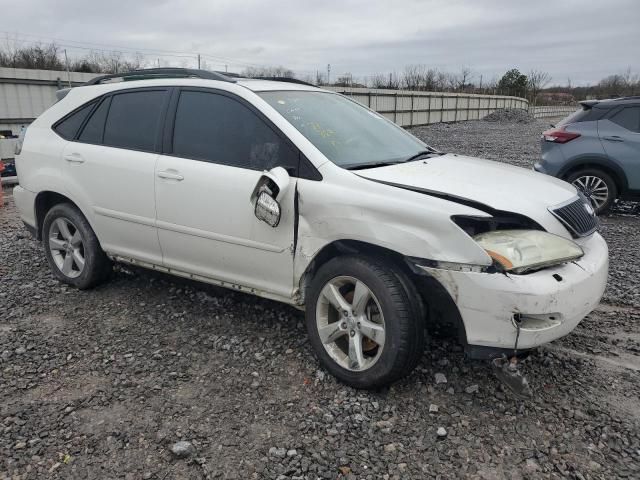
152 377
510 115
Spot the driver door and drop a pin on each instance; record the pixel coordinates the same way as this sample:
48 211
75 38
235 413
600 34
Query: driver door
213 161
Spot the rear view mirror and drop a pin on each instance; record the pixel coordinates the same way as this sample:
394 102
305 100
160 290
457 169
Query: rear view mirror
267 209
265 195
276 180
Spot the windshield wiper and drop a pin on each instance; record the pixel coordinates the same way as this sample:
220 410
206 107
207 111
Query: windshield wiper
362 166
415 156
422 154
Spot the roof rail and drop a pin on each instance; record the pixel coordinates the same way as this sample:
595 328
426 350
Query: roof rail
630 97
152 73
285 79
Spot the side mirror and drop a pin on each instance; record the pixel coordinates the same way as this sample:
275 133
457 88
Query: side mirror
265 195
267 209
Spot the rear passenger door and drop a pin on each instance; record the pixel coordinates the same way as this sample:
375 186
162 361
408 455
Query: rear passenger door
216 148
110 170
620 136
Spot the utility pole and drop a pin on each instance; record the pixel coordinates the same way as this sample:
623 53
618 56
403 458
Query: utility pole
226 68
66 61
198 61
158 63
328 74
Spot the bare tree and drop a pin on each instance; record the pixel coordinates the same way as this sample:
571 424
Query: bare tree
43 57
378 80
273 72
412 76
536 81
463 78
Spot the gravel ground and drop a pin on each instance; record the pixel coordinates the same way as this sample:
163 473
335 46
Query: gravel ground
103 384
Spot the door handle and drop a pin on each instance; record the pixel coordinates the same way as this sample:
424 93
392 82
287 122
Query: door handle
74 158
614 138
170 175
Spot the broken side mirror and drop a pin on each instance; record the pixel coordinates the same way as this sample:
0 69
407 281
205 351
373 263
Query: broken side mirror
267 209
268 190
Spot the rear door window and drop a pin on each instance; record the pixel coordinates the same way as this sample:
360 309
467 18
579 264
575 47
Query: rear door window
134 120
629 118
219 129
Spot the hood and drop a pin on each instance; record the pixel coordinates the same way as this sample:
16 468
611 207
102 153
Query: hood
475 180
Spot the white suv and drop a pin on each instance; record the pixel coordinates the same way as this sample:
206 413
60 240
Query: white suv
301 195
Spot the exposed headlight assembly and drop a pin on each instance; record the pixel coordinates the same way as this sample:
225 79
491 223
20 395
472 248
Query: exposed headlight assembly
520 251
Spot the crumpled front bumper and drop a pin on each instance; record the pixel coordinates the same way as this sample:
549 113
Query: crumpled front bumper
547 304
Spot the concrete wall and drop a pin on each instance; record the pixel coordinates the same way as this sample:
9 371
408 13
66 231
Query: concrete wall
408 108
25 94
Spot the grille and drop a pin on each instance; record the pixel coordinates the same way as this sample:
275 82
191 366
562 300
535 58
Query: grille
578 217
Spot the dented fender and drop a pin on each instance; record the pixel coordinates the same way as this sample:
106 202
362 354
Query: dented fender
406 222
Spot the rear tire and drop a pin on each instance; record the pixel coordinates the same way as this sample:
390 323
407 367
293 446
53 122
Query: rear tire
376 336
72 248
598 186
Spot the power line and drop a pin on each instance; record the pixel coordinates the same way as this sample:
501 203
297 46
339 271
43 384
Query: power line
90 46
145 52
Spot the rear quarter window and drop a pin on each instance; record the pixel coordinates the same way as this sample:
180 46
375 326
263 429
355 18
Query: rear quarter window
68 127
585 114
94 128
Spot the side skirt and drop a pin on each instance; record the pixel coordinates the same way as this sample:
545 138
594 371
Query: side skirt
209 280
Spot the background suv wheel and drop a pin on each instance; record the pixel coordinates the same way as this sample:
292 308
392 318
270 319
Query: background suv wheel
597 186
364 321
72 249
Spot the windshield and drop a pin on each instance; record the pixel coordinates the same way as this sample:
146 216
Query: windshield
345 132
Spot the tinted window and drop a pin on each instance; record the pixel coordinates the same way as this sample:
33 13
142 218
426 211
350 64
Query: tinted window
94 128
219 129
134 119
584 114
347 133
70 125
628 118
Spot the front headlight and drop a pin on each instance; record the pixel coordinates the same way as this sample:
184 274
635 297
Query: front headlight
519 251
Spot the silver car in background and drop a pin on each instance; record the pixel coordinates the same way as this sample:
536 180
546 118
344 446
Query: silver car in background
597 149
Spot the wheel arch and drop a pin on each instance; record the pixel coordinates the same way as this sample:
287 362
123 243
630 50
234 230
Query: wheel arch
442 313
612 169
47 199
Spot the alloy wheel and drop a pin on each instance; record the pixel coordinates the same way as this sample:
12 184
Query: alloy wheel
67 247
594 188
350 323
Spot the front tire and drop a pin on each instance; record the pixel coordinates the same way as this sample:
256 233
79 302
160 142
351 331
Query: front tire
597 186
72 248
364 321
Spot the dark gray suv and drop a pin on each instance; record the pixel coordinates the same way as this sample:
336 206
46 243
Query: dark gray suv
597 149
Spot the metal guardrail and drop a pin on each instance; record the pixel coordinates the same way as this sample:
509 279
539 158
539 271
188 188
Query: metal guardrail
545 111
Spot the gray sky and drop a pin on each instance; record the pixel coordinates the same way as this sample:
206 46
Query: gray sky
584 40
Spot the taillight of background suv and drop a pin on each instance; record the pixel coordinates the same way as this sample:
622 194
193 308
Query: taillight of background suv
559 135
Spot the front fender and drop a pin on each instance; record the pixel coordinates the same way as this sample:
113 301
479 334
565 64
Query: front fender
409 223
